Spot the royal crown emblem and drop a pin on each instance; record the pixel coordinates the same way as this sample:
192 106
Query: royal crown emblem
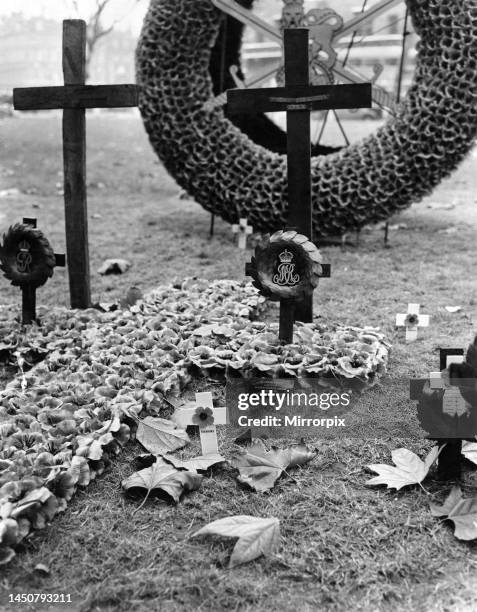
286 256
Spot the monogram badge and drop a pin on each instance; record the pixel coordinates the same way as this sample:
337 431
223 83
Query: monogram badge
285 276
24 257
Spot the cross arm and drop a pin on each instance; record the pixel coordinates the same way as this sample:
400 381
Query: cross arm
75 96
299 97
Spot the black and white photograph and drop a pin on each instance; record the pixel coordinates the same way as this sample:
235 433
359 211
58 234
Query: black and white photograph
238 305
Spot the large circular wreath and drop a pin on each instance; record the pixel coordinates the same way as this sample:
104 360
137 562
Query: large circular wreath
307 265
42 258
231 176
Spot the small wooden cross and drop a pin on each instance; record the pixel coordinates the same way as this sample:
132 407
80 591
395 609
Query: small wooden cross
74 97
28 291
449 461
243 230
412 320
453 404
298 98
287 312
203 412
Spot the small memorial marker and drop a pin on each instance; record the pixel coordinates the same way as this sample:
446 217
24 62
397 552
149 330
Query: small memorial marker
243 230
27 261
445 413
206 417
412 320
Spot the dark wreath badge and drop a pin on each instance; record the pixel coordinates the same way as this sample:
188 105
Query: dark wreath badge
26 257
286 266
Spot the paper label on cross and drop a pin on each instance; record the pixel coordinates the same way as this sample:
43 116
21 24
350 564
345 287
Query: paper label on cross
243 230
412 320
208 431
453 403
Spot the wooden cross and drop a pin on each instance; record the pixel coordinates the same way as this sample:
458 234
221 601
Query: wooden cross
298 98
203 411
74 97
288 312
449 461
412 320
243 230
29 291
453 404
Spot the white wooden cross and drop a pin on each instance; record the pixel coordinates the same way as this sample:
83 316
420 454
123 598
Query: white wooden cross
203 411
243 230
453 403
412 320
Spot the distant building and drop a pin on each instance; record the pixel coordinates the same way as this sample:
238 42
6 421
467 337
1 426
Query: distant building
30 49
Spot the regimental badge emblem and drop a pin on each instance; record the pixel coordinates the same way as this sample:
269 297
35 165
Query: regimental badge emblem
285 275
24 258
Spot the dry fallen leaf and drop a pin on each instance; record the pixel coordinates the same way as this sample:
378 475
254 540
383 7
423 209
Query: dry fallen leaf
260 469
6 554
408 469
256 536
462 512
196 464
160 435
162 476
469 450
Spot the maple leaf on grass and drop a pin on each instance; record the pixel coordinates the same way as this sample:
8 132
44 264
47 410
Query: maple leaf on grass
196 464
408 469
160 435
162 477
260 468
256 536
462 512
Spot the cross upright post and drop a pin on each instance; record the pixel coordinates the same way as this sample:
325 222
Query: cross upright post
299 150
74 97
298 98
74 166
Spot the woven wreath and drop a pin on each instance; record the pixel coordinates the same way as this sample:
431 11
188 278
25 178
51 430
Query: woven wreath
219 165
26 256
286 248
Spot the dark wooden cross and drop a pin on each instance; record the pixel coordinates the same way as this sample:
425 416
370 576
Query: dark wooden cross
298 98
74 97
29 291
449 461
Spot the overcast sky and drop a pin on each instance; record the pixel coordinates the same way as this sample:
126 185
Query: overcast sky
131 15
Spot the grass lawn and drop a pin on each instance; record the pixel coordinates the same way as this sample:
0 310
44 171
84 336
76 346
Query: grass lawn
344 546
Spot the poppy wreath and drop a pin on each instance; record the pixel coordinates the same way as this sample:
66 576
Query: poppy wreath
286 246
232 176
41 255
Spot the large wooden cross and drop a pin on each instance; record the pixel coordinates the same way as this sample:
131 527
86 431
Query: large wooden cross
298 98
74 97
